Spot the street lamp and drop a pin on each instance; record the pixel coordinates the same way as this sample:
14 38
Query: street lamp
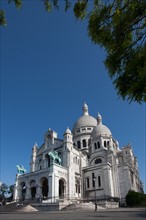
94 178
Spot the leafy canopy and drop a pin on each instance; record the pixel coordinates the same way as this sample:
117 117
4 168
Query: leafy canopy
135 198
120 27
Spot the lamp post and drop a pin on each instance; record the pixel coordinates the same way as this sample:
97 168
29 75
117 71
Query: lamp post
95 193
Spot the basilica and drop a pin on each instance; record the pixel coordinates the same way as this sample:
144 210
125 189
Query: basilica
86 164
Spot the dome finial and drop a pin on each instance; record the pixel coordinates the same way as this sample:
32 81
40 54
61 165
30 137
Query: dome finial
85 109
99 119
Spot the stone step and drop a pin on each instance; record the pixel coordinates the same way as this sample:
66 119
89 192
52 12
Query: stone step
81 206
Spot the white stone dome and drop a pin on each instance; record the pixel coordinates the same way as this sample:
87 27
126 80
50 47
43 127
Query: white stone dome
68 131
100 129
85 120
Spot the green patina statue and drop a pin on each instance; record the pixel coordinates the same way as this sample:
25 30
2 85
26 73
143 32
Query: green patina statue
20 169
54 155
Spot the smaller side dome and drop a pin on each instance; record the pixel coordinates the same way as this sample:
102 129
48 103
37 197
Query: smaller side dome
68 131
100 129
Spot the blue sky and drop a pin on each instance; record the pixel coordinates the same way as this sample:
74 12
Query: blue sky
49 67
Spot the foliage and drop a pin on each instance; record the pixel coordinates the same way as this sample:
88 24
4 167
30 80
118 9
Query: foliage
120 27
5 189
135 198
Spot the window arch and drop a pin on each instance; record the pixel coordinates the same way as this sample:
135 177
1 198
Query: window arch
93 180
98 143
99 181
62 188
59 154
78 144
75 160
77 185
104 143
98 160
88 182
84 143
48 160
95 146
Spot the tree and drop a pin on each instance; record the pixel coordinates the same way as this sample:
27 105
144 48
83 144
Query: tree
135 198
6 190
120 27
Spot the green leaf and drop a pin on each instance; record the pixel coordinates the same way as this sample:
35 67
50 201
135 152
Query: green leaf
80 9
18 3
2 18
48 5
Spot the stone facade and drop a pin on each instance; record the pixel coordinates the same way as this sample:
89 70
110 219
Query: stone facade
92 167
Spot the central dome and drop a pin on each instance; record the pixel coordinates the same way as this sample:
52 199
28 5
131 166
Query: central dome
85 120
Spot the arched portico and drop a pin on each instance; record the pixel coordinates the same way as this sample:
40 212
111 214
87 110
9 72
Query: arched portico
22 191
45 187
33 189
62 188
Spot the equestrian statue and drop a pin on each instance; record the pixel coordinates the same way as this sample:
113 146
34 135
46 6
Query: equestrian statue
20 169
54 155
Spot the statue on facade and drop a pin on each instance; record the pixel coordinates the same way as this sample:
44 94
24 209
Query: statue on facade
54 155
21 169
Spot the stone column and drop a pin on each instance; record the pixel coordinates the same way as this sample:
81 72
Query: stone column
28 193
109 182
56 187
39 192
16 189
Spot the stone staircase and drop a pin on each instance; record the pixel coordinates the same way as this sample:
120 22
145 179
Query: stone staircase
88 206
33 207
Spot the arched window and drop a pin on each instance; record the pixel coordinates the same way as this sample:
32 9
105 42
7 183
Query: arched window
40 164
77 185
88 183
98 143
78 144
48 160
98 161
75 160
95 146
99 181
104 143
93 179
78 161
59 154
84 143
62 188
